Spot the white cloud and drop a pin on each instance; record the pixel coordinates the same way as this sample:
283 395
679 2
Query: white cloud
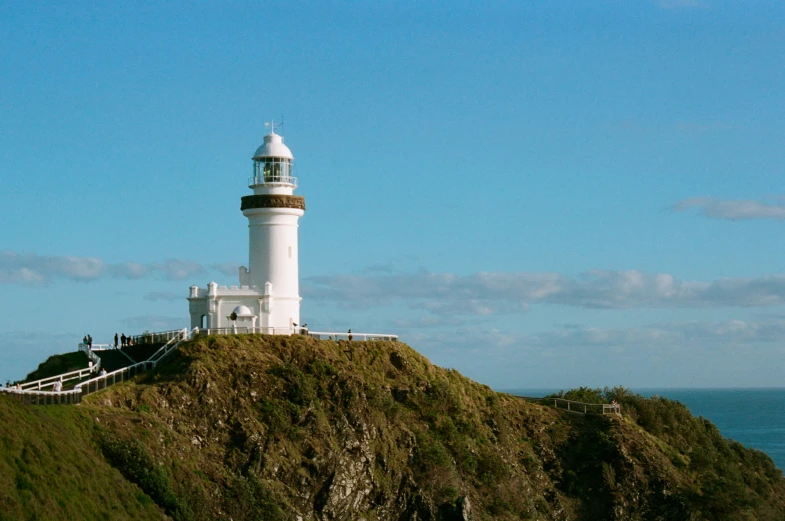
732 210
129 270
729 335
178 269
33 269
227 268
498 293
38 270
692 334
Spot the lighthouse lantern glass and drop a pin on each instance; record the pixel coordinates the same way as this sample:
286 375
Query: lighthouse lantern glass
273 170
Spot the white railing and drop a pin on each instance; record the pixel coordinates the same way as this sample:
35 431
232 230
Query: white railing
43 383
577 407
321 335
105 380
248 330
156 338
272 179
70 397
39 396
120 375
172 344
94 358
173 340
101 347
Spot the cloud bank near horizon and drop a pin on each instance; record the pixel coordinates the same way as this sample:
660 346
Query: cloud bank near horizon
732 210
39 270
439 294
729 336
497 293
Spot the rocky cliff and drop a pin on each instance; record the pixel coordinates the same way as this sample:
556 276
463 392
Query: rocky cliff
290 428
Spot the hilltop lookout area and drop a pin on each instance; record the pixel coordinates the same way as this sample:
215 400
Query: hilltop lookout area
253 427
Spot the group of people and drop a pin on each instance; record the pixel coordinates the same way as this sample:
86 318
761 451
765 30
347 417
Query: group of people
88 341
125 341
303 328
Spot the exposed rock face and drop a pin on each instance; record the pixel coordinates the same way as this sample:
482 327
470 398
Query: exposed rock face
274 428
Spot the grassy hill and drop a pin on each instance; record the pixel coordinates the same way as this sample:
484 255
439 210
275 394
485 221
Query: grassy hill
278 428
58 364
51 468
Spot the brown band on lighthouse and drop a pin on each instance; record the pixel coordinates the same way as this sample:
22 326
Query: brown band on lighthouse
272 201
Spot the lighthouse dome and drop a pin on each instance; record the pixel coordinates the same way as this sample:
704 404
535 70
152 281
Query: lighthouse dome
273 147
243 311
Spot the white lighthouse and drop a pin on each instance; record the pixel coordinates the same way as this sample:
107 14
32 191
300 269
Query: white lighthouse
267 299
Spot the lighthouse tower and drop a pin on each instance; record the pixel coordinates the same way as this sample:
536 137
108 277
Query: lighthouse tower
273 213
268 297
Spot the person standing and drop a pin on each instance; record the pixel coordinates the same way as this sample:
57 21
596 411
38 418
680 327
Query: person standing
89 341
123 340
115 340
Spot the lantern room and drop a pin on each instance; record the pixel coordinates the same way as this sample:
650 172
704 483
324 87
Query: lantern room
272 165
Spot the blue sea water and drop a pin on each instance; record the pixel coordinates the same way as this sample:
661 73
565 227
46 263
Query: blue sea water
753 417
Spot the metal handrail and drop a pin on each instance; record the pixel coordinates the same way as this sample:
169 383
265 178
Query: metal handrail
50 381
153 338
175 338
247 330
170 346
92 356
321 335
34 397
74 396
102 347
318 335
102 381
272 180
585 408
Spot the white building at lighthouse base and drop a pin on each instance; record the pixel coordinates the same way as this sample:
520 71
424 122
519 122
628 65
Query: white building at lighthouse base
242 309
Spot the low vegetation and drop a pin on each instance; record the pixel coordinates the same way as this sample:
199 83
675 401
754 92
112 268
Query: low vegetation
272 428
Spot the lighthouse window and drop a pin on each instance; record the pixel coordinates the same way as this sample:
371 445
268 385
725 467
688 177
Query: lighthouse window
274 169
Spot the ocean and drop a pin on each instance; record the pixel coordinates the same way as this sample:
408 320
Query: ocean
753 417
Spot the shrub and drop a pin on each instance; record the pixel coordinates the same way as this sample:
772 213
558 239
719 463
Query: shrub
275 416
136 464
491 468
581 394
249 500
301 388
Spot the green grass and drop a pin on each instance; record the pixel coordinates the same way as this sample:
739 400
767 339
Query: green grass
51 469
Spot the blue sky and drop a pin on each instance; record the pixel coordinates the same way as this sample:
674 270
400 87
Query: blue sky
536 194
